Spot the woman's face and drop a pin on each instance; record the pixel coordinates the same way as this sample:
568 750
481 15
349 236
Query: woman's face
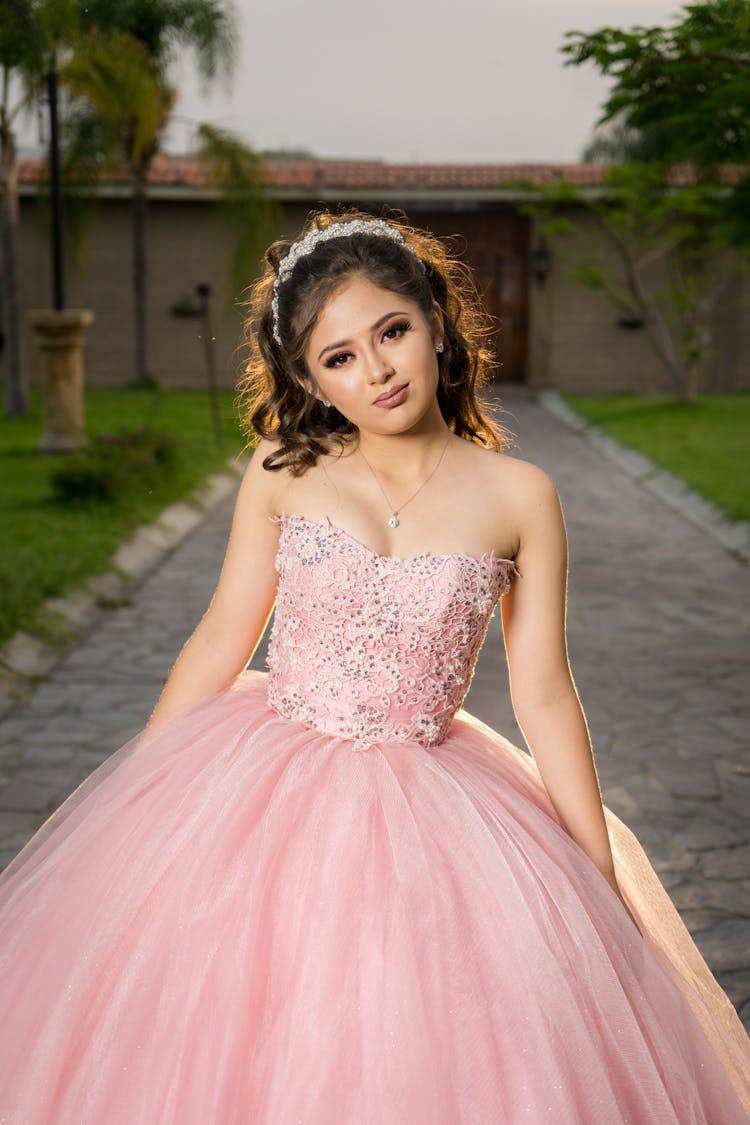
372 354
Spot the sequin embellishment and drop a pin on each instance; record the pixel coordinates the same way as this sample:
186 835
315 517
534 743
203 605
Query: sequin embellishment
370 647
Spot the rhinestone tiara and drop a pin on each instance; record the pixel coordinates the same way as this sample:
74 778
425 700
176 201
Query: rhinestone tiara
305 245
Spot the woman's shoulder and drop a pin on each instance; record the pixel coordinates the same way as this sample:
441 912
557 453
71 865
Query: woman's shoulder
259 468
513 477
261 479
264 447
513 494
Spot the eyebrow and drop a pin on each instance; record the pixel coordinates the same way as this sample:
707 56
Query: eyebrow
376 325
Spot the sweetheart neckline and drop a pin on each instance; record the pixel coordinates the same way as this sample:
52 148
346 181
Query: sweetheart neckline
324 521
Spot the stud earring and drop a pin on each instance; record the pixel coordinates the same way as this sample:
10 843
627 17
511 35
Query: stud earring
326 402
439 348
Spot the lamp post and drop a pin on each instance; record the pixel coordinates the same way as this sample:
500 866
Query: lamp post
203 290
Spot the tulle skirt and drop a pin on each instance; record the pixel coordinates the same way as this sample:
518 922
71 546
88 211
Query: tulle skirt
237 919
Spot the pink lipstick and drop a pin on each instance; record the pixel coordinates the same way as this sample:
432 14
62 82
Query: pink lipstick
392 398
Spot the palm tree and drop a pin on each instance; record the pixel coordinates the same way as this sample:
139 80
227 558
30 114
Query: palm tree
120 107
29 30
241 176
164 27
122 94
16 388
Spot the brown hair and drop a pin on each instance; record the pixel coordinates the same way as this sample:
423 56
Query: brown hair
272 401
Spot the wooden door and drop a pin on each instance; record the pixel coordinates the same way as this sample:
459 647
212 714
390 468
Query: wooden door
495 243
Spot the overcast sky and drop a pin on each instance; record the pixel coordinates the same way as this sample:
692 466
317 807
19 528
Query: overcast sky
403 80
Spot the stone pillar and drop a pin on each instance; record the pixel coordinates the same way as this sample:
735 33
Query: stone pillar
60 336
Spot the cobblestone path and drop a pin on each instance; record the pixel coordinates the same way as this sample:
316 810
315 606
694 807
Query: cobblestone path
658 622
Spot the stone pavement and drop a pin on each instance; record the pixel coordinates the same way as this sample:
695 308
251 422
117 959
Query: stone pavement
658 638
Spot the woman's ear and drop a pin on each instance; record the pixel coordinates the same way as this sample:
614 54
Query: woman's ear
309 387
437 321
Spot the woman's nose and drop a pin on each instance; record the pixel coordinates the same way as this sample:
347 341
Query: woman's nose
378 365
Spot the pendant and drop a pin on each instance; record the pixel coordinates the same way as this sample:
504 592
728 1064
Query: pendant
393 521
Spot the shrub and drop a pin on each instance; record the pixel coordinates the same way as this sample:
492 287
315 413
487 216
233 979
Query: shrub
113 465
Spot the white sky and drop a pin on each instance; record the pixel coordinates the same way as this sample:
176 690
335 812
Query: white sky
403 80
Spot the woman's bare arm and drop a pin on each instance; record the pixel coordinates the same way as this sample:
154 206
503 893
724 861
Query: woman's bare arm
543 692
224 641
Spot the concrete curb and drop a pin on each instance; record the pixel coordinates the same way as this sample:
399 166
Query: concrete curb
734 537
26 658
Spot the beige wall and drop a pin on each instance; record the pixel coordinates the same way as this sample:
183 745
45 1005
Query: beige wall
574 342
187 243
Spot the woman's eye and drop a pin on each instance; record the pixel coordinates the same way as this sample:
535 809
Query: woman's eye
400 328
397 330
334 360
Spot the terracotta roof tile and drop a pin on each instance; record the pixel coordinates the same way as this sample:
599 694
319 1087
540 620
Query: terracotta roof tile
379 174
312 175
292 174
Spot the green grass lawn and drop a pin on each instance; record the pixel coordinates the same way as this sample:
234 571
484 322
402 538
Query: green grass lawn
706 442
48 546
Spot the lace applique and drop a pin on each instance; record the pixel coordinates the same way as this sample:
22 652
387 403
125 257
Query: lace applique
371 647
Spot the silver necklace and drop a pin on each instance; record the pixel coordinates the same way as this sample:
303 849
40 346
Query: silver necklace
394 520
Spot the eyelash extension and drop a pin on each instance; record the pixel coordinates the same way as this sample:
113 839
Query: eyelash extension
403 325
400 325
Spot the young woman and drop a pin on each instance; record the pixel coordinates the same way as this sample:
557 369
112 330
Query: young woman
325 894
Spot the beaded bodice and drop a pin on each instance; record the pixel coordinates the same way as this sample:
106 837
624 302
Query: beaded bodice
371 647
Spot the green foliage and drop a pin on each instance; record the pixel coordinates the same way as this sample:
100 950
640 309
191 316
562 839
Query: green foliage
589 275
118 77
49 546
112 466
703 441
123 98
29 30
681 95
642 202
663 270
615 142
692 80
251 212
121 101
206 27
675 134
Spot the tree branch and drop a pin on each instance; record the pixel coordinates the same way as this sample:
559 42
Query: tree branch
656 327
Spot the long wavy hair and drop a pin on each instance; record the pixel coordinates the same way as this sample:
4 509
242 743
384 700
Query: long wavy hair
273 399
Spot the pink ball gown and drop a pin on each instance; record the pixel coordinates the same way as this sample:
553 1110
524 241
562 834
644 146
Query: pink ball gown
328 896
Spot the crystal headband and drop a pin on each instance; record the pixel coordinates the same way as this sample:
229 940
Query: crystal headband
307 244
